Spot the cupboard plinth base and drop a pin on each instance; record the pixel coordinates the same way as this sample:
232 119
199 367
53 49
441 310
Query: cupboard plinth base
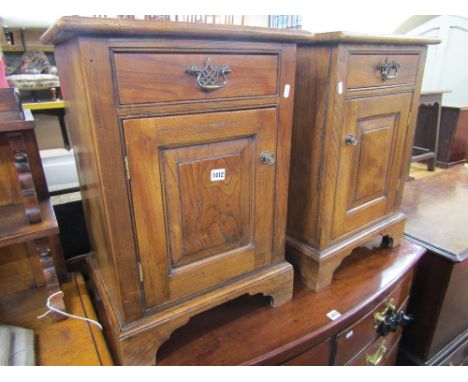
138 343
317 267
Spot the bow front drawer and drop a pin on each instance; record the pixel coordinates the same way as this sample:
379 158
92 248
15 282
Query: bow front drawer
382 69
146 77
358 336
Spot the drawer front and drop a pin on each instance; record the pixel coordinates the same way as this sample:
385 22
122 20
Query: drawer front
203 198
144 77
382 352
319 355
382 69
357 337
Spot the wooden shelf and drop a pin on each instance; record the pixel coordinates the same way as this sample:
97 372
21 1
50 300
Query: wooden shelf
69 342
14 227
16 125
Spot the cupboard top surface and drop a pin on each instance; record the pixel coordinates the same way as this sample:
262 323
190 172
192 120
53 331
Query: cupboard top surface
249 331
362 38
68 27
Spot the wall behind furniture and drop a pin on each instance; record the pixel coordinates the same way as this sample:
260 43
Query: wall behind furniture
446 64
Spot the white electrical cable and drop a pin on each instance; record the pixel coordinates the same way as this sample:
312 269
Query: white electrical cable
53 309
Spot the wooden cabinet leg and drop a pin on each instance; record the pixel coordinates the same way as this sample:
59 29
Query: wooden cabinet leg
393 235
142 350
41 248
139 344
319 275
280 289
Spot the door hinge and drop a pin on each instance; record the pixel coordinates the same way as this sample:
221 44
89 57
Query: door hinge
127 167
140 271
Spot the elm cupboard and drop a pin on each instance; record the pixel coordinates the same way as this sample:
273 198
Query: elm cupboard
182 139
354 115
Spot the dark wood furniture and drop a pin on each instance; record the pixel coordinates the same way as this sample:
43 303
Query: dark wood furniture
453 137
182 136
246 331
437 212
354 115
69 342
426 136
30 251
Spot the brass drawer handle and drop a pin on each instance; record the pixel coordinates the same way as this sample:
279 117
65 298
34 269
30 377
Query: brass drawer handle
389 319
380 317
352 140
376 358
386 68
209 77
268 158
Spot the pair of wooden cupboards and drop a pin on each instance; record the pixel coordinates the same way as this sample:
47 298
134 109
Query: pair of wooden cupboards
182 137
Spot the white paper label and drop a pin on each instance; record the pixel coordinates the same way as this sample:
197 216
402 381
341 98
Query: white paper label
218 174
333 314
287 88
340 87
349 334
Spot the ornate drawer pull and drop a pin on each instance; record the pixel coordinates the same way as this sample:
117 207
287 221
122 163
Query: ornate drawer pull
208 76
352 140
376 358
386 68
268 158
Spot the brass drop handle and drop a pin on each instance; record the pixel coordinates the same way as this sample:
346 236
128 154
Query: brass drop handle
376 358
352 140
268 158
380 317
389 319
386 69
209 77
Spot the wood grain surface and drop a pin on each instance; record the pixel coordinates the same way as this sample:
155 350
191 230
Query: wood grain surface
437 212
66 343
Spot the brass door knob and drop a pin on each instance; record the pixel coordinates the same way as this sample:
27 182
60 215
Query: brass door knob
268 158
352 140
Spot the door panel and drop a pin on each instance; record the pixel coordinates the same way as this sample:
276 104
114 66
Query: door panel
369 170
213 213
372 159
202 199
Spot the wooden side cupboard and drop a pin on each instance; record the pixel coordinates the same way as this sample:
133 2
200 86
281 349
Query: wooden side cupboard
182 140
354 115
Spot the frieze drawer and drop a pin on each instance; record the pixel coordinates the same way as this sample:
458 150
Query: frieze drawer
143 78
372 70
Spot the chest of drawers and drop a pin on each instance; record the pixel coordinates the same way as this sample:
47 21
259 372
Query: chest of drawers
355 108
247 332
182 140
